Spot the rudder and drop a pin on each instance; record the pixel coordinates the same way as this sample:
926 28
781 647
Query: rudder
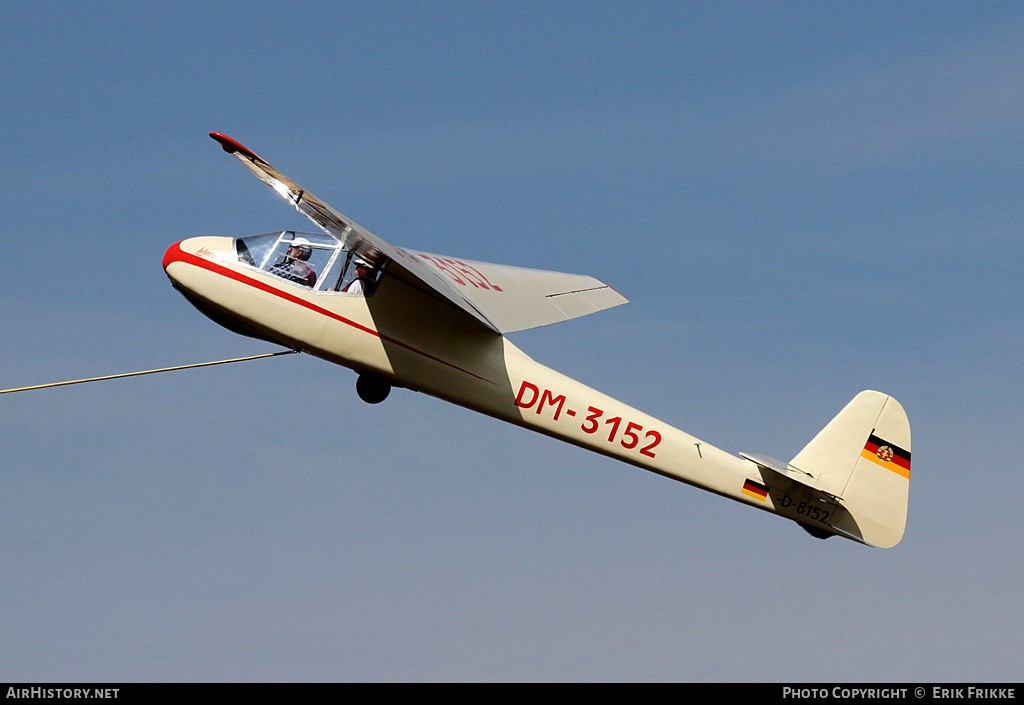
862 457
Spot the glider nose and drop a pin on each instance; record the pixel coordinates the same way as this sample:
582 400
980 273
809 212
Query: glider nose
199 251
183 261
173 254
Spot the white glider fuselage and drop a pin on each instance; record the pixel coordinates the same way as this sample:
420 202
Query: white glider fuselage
417 341
437 325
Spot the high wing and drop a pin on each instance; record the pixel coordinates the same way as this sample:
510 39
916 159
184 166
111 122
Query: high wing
503 298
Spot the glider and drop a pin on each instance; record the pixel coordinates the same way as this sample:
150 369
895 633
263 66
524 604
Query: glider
437 324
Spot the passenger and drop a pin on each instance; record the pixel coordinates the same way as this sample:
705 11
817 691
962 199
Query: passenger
294 266
364 282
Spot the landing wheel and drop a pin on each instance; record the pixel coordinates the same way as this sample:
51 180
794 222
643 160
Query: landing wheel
372 389
816 532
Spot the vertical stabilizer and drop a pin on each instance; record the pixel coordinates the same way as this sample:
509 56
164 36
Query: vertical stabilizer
863 457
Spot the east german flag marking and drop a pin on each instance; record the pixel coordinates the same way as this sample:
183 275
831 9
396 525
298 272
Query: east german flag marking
889 456
755 490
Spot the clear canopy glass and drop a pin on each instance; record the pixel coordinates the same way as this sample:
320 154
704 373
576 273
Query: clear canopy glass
313 260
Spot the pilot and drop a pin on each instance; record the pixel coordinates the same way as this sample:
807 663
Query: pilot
364 282
294 267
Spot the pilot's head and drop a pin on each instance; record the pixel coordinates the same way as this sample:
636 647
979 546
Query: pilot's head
299 249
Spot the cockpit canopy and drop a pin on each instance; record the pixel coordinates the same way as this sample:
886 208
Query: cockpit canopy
312 260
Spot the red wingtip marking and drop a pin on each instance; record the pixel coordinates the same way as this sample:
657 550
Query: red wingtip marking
231 146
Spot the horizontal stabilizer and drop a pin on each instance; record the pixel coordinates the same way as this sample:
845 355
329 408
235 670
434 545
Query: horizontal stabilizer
785 470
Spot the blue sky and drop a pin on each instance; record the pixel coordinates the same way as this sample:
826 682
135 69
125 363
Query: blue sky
801 200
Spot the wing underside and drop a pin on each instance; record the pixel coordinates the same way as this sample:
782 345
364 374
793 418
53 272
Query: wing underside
503 298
